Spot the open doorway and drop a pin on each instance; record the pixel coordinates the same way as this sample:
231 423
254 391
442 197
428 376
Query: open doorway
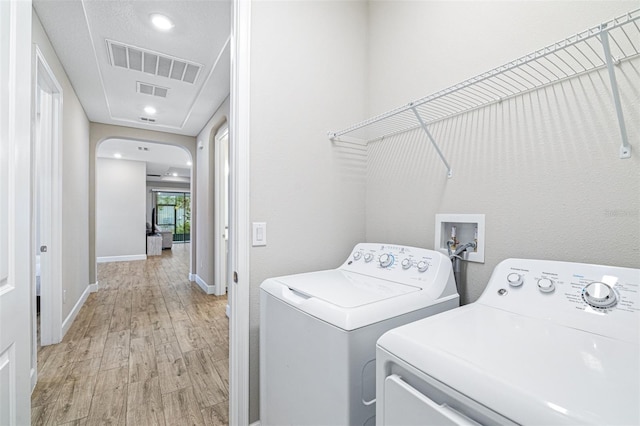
221 210
140 182
46 225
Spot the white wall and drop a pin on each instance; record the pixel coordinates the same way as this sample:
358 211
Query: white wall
75 179
307 77
544 167
120 209
205 199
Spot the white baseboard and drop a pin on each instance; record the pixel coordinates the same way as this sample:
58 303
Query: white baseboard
94 287
255 423
192 277
227 311
209 289
34 379
106 259
66 324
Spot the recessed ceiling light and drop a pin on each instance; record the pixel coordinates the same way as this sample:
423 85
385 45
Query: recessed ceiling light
189 163
174 174
150 110
161 22
117 155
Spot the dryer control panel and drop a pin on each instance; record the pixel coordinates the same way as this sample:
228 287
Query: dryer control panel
594 298
403 264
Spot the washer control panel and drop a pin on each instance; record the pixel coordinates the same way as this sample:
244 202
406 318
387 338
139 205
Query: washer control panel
594 298
404 264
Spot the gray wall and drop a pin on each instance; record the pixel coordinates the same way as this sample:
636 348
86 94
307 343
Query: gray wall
120 208
205 205
75 179
307 77
543 168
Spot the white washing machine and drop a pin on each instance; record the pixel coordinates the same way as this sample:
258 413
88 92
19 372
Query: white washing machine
318 331
547 343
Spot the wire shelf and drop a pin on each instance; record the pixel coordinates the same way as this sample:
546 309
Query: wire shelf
580 54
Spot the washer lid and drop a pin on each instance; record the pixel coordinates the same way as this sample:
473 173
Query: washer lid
351 300
527 369
345 289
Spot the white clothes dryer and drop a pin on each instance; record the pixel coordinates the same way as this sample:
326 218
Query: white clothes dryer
318 331
547 343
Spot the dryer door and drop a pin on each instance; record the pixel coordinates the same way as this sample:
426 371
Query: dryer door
405 405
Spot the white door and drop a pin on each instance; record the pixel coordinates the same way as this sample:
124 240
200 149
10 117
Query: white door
46 201
221 211
15 211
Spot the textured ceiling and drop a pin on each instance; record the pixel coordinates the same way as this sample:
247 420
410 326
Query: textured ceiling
79 31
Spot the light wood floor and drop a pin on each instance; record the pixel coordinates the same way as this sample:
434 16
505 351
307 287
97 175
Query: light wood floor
148 348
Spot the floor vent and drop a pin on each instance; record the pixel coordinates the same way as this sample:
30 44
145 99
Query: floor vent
151 89
138 59
148 119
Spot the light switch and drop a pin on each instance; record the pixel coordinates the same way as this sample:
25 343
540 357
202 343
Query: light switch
259 234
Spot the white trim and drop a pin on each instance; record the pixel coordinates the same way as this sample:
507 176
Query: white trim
76 309
107 259
94 287
239 238
34 378
192 277
255 423
51 294
220 204
209 289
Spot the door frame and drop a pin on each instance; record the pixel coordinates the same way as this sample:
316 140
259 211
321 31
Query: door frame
239 235
50 295
221 203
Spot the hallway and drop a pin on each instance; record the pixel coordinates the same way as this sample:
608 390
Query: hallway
148 348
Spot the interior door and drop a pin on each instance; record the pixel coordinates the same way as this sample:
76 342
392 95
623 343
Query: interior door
15 211
46 198
221 210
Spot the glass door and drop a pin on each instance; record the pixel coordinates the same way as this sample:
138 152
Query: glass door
173 213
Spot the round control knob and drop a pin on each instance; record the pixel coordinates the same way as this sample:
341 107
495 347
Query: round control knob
514 280
357 255
406 263
546 285
386 260
599 295
423 266
368 257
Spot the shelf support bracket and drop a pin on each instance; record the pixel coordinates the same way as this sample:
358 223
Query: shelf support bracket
625 148
433 142
346 139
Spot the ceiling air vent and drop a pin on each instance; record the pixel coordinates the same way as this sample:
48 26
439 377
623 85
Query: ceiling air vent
151 89
148 119
143 60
